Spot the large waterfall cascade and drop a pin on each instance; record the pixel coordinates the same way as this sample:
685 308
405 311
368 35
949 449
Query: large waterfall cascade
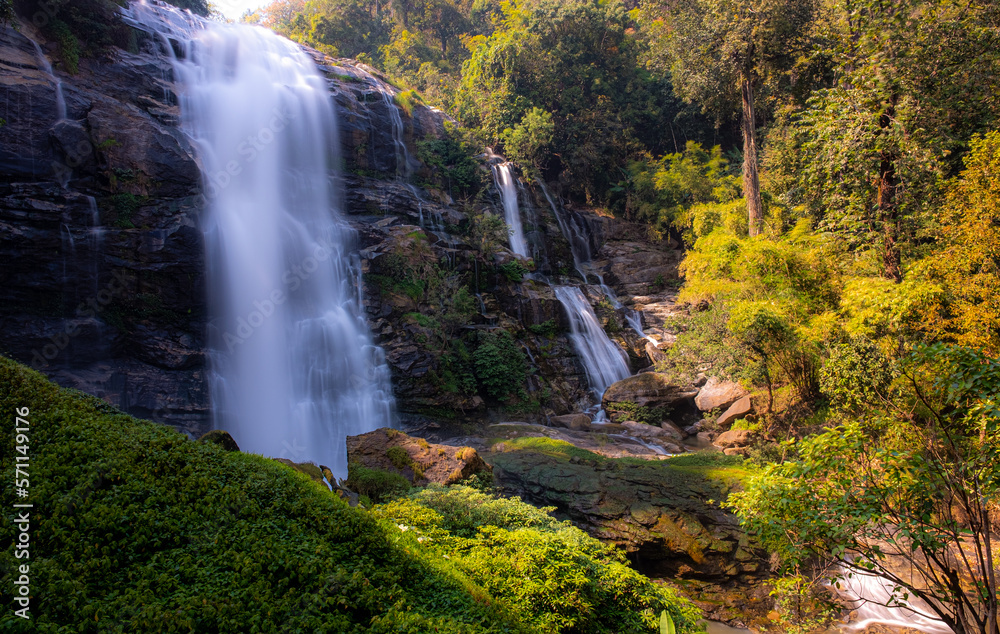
294 369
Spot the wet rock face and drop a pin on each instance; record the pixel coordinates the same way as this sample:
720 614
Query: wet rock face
103 279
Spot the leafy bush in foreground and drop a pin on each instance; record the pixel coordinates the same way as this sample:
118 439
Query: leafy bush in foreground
136 529
552 576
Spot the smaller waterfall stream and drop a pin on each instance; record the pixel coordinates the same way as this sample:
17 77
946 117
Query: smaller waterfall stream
47 67
865 592
396 121
603 361
512 214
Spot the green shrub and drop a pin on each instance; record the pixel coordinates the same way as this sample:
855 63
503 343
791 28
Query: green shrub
553 576
376 484
856 376
500 364
513 270
451 158
548 329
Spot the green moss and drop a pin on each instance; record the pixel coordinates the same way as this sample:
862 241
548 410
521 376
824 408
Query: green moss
145 531
626 410
399 458
123 207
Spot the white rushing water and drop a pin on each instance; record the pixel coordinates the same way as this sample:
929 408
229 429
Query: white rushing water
56 82
294 369
869 595
511 212
603 361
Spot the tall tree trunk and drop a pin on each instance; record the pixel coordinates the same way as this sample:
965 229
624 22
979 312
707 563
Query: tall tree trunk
888 209
751 181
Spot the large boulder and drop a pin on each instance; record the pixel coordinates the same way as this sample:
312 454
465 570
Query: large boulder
716 394
417 460
737 410
576 422
734 438
660 515
649 389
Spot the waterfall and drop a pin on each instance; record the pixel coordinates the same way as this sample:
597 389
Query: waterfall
293 367
864 592
603 361
396 121
575 234
512 214
579 245
47 67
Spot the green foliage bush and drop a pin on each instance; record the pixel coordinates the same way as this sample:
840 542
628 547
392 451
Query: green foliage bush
693 191
376 484
856 376
553 576
528 142
146 531
500 364
547 329
450 158
514 271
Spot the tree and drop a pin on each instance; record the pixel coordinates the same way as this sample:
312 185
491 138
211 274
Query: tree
967 263
721 53
915 80
909 494
577 60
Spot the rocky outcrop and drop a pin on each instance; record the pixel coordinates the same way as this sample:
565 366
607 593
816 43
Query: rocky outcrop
716 394
660 515
650 390
737 410
576 422
734 438
104 286
104 276
417 460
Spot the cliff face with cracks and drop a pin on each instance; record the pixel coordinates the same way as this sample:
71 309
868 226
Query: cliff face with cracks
103 279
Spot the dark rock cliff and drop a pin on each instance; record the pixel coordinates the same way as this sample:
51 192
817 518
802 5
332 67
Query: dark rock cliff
103 275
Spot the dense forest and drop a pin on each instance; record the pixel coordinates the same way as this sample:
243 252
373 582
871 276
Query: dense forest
831 171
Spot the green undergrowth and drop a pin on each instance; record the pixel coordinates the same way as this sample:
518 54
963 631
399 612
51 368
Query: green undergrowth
136 529
551 576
